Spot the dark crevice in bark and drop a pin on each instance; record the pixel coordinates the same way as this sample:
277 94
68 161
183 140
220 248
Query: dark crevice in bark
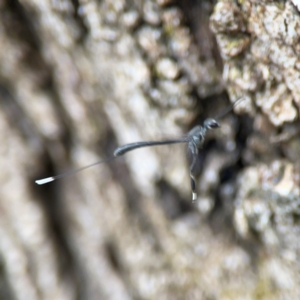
49 197
6 292
84 29
113 257
197 14
23 28
221 217
19 24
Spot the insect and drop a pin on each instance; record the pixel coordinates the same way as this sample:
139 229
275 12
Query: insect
194 140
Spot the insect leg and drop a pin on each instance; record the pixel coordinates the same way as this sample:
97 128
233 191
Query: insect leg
194 151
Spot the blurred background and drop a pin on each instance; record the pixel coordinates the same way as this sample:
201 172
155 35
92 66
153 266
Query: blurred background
78 78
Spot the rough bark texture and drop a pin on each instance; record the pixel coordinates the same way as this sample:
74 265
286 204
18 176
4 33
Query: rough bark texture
78 78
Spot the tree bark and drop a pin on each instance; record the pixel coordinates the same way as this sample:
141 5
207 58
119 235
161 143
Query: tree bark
78 79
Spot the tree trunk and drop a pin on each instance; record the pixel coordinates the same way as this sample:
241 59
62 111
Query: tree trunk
78 79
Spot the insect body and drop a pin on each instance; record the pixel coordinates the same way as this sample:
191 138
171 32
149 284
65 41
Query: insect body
194 140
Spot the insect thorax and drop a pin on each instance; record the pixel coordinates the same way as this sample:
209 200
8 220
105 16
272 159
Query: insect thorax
197 135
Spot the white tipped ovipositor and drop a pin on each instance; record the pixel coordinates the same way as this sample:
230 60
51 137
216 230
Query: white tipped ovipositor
45 180
194 197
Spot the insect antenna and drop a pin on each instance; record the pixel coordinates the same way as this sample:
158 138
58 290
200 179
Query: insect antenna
224 112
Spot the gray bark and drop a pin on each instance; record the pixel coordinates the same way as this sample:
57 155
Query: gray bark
79 78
